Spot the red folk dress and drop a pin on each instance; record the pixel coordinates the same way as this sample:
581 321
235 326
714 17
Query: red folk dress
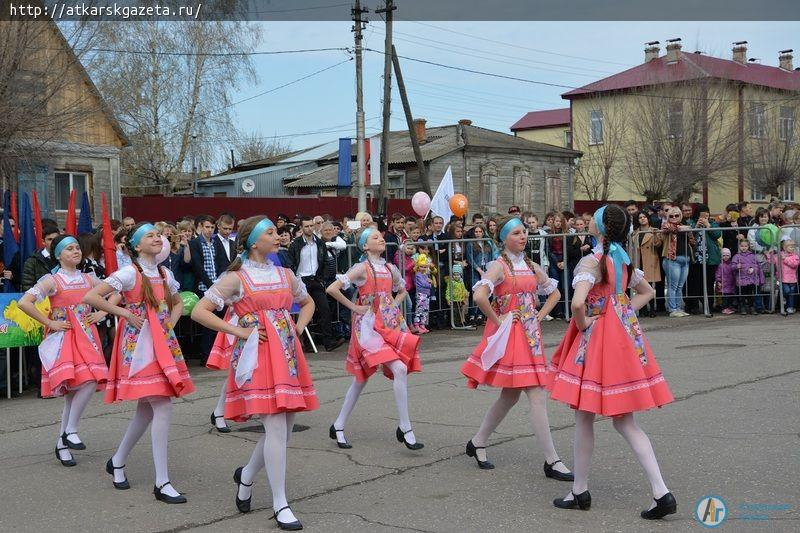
81 358
261 295
167 375
608 369
375 283
220 356
523 363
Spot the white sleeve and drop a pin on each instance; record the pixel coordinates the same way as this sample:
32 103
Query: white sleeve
173 284
398 283
357 275
588 269
546 285
46 286
492 276
636 277
299 292
337 244
226 291
123 279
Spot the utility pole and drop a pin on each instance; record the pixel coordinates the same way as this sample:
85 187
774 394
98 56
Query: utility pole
360 127
423 172
387 99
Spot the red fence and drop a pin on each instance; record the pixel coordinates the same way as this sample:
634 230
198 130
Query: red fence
173 207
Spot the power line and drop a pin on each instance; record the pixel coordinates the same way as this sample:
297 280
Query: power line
199 54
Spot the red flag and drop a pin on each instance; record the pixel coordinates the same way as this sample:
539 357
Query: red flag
109 250
37 222
72 221
15 215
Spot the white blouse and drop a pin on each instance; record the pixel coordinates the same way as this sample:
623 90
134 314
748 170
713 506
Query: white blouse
228 288
588 269
124 279
357 275
495 274
46 286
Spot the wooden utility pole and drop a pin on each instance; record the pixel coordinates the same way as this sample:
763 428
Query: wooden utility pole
387 100
423 172
360 127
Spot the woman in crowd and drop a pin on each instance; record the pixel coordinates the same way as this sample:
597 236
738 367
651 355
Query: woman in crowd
676 252
648 244
761 219
556 258
705 244
479 254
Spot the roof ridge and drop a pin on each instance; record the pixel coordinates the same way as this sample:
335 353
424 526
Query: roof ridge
686 57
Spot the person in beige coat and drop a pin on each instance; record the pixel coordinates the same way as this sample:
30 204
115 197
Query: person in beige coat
647 242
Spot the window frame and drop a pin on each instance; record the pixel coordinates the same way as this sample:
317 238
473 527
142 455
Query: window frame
674 111
757 120
786 124
596 116
72 173
787 191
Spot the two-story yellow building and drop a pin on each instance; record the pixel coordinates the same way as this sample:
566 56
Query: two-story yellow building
682 126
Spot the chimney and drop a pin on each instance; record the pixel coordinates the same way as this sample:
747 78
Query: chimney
465 122
673 50
419 128
651 51
785 59
740 52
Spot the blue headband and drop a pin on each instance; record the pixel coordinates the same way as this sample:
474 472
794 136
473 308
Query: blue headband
260 228
141 232
509 227
362 239
63 243
615 250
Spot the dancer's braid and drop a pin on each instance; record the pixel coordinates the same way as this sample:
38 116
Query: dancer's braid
616 221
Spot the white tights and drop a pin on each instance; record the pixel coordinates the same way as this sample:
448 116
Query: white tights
270 451
75 402
537 399
219 410
637 439
155 410
400 388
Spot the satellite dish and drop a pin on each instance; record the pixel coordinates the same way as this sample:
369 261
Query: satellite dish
248 185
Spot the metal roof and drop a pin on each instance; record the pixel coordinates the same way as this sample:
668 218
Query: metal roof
248 173
542 119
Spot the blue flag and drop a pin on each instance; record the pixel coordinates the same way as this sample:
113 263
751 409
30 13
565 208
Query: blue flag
85 224
27 235
345 163
10 246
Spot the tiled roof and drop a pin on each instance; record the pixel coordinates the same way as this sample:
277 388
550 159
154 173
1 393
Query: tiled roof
690 67
542 119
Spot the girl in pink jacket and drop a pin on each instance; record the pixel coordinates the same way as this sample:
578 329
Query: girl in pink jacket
789 261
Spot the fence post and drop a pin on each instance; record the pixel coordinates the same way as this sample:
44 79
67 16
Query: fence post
565 276
704 250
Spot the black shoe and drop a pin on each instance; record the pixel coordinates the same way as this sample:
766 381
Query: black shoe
401 437
72 445
65 462
582 501
214 417
121 485
242 505
555 474
287 526
664 505
160 496
483 465
332 431
332 346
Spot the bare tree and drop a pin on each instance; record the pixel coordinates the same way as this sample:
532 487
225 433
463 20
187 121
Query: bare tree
683 136
772 152
600 159
170 84
253 146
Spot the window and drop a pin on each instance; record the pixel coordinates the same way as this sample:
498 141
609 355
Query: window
66 182
674 120
786 123
758 120
488 187
567 138
595 127
756 195
787 191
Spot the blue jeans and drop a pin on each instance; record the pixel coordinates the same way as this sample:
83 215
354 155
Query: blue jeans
675 272
789 290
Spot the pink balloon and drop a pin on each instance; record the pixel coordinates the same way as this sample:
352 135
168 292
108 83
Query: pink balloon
421 203
164 253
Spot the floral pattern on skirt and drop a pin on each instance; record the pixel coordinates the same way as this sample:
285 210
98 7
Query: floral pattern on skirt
526 305
627 316
130 334
82 312
286 333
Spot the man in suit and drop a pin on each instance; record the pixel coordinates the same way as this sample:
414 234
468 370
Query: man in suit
224 246
307 254
204 267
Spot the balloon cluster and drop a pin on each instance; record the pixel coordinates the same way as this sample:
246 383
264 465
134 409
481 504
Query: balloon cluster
189 300
768 235
421 204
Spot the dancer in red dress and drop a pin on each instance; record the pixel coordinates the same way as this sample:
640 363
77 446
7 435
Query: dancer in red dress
380 335
147 363
604 365
72 357
268 377
510 355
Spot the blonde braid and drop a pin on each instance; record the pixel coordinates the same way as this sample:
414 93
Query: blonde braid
505 258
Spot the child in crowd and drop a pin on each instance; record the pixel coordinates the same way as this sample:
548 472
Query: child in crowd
726 283
749 276
405 263
456 292
789 261
424 281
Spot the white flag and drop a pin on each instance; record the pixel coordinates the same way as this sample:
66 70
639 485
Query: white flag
440 205
375 160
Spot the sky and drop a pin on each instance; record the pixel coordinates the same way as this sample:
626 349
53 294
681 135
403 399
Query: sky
570 54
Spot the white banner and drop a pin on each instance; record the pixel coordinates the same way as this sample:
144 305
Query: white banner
375 160
440 204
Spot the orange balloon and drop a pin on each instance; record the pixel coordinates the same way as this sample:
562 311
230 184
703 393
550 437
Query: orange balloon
459 205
